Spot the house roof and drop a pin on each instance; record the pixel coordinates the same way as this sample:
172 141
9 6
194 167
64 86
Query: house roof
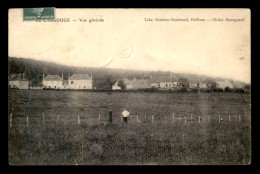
80 77
18 77
52 78
157 79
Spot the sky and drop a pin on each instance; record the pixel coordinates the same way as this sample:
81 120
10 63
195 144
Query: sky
126 41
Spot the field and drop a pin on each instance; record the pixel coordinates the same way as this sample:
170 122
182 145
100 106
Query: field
187 129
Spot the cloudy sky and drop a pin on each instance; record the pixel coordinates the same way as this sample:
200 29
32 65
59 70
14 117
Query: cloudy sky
125 40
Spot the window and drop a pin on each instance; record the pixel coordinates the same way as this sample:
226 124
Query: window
71 82
84 87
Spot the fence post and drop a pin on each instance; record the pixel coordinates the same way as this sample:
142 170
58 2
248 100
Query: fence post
152 118
43 119
27 121
78 120
98 118
11 120
173 118
58 118
199 119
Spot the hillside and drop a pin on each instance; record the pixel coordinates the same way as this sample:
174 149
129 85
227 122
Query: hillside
103 77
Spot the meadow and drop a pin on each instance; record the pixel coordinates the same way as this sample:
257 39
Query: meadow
187 129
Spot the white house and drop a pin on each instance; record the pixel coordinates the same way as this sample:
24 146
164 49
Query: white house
80 81
162 82
203 85
52 81
193 85
116 87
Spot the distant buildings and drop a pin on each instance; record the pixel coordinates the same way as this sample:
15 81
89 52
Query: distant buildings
19 81
85 81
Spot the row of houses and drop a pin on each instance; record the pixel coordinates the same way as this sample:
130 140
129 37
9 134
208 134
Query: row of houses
76 81
167 82
85 81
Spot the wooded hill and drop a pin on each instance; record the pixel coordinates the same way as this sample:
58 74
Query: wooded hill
104 78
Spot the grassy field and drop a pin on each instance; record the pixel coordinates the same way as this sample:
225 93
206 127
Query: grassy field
165 141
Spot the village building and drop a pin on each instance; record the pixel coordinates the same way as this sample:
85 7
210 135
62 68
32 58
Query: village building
116 87
52 81
19 81
194 85
136 84
164 82
203 85
225 83
80 81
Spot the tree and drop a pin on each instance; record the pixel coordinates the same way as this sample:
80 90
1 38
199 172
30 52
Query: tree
121 84
184 82
227 89
248 86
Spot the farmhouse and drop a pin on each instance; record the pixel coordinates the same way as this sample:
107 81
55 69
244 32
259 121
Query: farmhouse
163 82
19 81
200 85
194 85
176 85
52 81
203 85
116 87
136 84
80 81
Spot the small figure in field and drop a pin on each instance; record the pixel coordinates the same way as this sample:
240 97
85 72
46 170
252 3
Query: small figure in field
125 114
110 117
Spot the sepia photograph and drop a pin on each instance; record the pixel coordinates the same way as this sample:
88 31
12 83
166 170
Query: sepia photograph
129 86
